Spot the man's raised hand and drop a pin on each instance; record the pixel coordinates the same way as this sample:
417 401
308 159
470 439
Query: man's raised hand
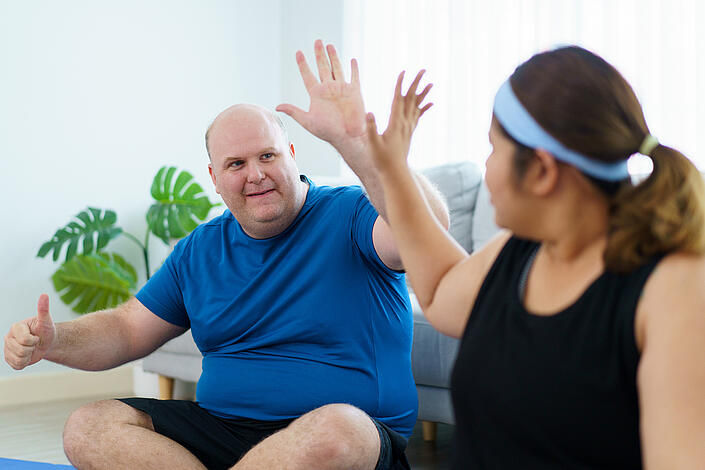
28 340
391 148
336 113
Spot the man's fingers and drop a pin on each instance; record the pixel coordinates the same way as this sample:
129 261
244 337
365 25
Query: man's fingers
27 340
335 63
415 83
306 74
43 309
324 72
19 350
298 114
397 88
20 333
14 361
354 72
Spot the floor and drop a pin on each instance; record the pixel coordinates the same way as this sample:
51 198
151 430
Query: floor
430 455
33 432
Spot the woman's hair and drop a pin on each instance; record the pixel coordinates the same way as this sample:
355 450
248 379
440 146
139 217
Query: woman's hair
586 104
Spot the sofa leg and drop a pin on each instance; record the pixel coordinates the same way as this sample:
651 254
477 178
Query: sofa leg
166 387
429 430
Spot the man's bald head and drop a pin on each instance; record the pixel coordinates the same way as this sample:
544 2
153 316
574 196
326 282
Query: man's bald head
242 110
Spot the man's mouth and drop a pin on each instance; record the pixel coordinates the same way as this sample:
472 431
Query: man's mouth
260 194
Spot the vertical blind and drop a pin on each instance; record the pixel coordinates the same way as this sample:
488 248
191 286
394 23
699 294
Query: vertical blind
469 47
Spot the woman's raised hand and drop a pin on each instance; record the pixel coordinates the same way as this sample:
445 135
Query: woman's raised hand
390 149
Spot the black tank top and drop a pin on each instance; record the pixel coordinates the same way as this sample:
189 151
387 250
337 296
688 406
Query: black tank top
548 392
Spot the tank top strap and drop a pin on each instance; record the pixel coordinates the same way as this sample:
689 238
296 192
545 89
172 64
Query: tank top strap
509 266
623 291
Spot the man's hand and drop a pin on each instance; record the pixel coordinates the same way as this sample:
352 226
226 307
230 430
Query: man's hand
28 340
336 113
390 149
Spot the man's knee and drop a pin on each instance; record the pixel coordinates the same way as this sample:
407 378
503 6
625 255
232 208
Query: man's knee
339 432
85 424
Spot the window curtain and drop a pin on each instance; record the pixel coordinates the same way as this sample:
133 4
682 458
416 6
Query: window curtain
469 47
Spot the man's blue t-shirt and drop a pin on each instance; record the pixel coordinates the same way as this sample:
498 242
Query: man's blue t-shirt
290 323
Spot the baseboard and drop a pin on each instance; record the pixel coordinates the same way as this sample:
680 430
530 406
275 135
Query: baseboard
64 385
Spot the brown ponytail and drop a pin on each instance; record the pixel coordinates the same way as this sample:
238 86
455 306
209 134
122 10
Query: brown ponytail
663 214
588 106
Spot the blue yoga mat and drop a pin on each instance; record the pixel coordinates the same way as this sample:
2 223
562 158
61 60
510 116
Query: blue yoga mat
12 464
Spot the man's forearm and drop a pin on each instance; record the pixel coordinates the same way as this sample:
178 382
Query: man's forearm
96 341
364 169
435 199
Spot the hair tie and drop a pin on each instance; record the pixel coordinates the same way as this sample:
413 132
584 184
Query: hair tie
648 145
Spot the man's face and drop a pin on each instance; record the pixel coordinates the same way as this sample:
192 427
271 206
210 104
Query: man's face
253 169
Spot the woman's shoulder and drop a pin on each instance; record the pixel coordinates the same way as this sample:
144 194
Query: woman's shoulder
674 293
676 274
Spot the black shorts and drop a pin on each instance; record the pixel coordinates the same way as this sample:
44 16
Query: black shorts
219 443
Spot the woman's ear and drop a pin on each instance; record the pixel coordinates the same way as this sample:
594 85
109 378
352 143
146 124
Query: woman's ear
542 174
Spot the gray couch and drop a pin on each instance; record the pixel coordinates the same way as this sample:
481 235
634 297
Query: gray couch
433 355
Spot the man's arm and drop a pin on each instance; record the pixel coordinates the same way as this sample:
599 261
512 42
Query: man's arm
337 115
97 341
386 245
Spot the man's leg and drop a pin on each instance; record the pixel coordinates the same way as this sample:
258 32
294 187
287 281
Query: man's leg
112 435
336 436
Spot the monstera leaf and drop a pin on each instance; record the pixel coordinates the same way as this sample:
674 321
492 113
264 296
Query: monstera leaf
95 282
95 226
181 204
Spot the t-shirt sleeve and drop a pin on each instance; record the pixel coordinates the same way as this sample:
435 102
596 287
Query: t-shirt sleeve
162 294
364 218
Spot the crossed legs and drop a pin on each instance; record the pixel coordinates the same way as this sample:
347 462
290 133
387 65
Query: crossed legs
112 434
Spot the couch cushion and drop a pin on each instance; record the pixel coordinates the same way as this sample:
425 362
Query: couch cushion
459 184
178 358
182 345
433 354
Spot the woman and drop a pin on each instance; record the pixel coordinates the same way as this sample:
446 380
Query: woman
582 324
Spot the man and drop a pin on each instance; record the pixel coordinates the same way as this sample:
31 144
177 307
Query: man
294 296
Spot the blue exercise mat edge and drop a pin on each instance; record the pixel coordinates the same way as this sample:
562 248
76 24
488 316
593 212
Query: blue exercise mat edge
12 464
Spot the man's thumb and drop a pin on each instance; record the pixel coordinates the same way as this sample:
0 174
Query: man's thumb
43 309
295 112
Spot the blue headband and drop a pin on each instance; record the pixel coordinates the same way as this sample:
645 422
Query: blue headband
521 126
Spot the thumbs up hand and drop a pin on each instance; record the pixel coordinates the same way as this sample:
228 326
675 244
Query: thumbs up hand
28 341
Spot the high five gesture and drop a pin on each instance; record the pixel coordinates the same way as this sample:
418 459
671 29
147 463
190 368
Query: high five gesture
392 147
336 113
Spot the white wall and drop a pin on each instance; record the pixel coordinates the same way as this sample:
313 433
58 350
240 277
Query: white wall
298 33
96 96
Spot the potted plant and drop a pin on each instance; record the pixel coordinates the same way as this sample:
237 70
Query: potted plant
90 278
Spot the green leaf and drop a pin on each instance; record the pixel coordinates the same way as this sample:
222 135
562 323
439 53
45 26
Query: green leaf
180 206
83 228
46 246
95 282
121 267
156 183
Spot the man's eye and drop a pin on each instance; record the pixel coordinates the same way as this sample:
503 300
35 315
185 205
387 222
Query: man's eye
237 163
267 156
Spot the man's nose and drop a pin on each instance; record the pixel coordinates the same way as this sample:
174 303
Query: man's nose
254 173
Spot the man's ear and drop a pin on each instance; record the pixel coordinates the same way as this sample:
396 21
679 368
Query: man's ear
543 173
291 151
212 173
